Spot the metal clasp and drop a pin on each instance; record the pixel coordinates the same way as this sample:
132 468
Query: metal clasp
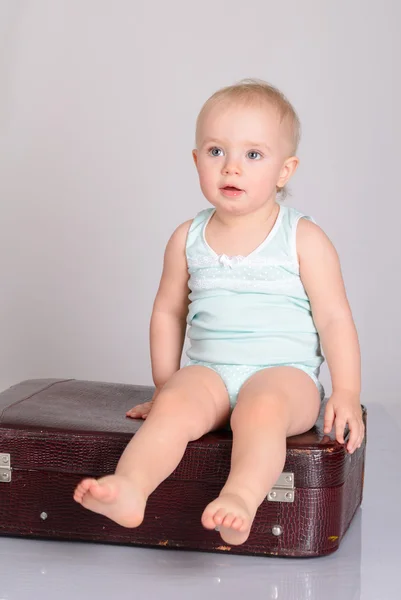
283 490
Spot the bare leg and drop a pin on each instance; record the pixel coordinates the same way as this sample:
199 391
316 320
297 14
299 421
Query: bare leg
193 402
272 405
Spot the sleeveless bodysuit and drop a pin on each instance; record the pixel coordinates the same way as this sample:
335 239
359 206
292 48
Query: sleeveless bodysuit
250 313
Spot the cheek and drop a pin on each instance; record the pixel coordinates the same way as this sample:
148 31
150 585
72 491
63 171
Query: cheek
267 173
207 174
259 176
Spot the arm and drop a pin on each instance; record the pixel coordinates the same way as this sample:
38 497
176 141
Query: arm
321 276
170 309
168 321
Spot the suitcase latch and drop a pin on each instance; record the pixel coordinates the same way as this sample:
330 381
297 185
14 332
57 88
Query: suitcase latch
283 490
5 468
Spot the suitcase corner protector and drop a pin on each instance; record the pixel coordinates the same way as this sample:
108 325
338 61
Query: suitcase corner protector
5 468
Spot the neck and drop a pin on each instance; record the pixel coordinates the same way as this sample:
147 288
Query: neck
252 220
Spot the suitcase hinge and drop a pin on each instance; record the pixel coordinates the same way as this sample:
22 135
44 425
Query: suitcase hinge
284 490
5 468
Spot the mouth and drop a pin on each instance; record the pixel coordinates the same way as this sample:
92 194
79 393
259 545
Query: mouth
230 191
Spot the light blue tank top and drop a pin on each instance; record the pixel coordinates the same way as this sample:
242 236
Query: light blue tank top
250 310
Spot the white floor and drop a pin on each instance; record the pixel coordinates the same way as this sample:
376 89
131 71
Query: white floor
365 567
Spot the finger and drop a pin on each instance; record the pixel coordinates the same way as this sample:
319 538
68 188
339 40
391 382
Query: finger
132 415
340 427
132 412
362 436
136 411
328 418
361 433
136 407
355 430
140 408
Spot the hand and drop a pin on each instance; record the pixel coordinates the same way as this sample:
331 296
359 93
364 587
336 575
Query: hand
141 411
345 407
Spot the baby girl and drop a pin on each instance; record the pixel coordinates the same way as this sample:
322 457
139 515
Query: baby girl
259 285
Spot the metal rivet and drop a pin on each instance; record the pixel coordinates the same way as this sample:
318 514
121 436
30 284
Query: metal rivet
288 478
5 459
272 494
43 516
288 496
277 530
5 476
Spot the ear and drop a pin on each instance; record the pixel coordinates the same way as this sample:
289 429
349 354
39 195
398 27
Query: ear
195 157
287 170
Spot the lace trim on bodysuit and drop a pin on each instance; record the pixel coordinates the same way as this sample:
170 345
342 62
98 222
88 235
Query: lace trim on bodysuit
233 261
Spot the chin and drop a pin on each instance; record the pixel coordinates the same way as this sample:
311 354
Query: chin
234 208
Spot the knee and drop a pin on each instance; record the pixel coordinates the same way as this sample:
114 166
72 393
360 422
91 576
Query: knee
176 410
260 410
169 401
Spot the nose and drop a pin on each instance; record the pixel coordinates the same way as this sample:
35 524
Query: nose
231 167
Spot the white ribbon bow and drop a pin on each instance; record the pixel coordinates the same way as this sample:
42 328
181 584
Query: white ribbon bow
225 261
230 262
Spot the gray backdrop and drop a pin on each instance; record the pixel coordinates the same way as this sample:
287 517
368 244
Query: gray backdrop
98 100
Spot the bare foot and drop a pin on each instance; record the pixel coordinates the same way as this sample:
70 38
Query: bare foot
114 496
233 517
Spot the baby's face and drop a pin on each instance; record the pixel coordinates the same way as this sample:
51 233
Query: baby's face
245 148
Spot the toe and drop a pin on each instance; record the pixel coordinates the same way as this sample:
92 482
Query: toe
80 491
101 491
228 520
207 519
245 526
86 484
236 524
219 516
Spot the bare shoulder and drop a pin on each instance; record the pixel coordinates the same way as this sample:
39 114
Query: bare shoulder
175 248
320 273
312 242
179 235
172 295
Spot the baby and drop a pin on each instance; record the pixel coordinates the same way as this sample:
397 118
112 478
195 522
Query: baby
259 285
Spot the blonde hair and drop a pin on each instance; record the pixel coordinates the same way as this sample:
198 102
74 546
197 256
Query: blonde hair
248 91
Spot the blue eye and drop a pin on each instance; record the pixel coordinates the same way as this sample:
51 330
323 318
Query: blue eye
214 151
253 152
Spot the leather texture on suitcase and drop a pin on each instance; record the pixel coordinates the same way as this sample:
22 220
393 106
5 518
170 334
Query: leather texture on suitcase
55 432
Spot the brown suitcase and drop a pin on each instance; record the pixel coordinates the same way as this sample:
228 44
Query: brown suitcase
55 432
